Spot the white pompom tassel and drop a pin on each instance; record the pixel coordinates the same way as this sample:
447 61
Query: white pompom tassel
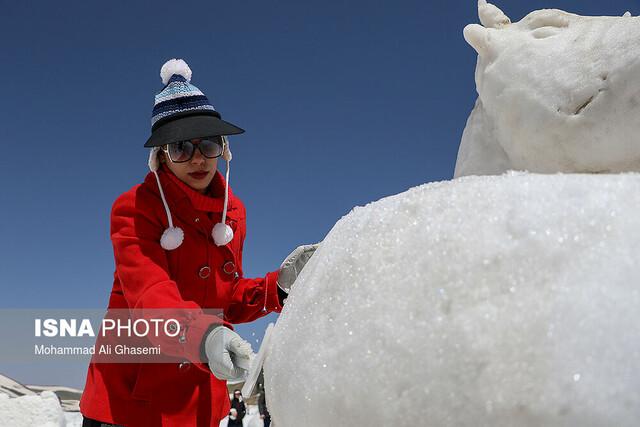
175 66
171 238
222 234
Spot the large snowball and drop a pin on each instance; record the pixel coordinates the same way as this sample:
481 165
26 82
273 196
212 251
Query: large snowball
508 300
557 92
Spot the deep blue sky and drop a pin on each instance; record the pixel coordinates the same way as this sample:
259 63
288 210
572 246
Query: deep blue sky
344 102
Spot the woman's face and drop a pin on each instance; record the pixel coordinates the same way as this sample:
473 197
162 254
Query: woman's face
197 173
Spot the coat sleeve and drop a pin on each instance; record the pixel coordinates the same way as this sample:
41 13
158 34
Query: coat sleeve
262 404
252 298
143 271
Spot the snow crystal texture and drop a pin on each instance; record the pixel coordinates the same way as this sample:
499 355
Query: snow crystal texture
503 300
557 92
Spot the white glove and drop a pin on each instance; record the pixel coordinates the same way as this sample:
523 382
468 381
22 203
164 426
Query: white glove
293 265
229 355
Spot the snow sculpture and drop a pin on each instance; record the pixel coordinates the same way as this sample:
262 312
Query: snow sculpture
505 300
557 92
490 300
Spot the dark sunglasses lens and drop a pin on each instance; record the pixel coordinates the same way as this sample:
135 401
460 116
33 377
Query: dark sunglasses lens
180 151
211 147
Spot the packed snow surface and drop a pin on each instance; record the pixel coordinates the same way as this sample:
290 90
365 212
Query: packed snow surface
557 92
503 300
41 410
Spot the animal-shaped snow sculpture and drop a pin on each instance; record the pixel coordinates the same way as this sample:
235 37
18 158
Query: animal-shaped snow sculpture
506 300
557 92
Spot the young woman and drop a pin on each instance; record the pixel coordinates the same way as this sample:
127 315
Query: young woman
177 241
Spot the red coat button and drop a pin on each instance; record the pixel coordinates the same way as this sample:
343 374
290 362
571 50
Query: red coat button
229 267
204 272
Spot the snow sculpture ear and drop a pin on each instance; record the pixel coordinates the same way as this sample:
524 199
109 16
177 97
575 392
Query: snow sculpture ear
478 37
491 16
627 14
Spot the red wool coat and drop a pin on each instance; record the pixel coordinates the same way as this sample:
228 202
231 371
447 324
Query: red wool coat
149 277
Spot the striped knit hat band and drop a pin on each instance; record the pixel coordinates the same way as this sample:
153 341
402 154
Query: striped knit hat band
178 95
181 111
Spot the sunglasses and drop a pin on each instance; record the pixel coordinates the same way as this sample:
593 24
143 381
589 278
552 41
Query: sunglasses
182 151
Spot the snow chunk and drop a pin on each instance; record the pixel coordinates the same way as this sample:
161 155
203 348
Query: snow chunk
505 300
557 92
34 410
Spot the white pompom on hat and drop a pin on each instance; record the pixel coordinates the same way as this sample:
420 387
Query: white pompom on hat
175 66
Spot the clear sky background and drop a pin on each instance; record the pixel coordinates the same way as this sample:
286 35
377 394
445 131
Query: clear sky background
344 102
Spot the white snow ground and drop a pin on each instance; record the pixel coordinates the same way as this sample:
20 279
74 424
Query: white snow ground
22 405
44 410
41 410
57 406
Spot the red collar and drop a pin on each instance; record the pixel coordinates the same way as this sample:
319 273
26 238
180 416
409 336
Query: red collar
213 201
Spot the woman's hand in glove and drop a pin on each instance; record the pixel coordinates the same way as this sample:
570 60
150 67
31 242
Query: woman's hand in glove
293 265
229 355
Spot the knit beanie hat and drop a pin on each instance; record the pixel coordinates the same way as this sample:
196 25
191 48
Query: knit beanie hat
183 112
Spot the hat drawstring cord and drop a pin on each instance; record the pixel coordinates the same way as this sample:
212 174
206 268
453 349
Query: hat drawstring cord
173 236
